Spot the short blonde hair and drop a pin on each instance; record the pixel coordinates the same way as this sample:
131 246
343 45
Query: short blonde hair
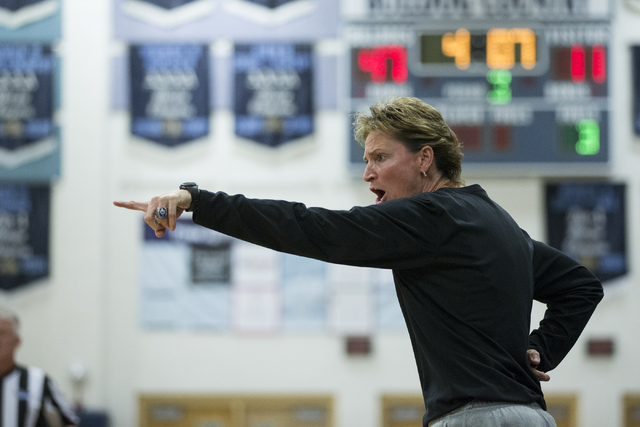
416 124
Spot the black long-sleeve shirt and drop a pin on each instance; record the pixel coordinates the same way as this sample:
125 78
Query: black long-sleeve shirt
465 275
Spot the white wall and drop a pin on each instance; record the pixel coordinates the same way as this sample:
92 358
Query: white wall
87 311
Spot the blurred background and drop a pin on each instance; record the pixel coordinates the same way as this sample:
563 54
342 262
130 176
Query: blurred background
104 100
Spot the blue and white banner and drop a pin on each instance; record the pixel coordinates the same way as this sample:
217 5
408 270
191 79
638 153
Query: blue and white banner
169 92
27 132
168 4
271 12
17 13
273 4
587 222
202 21
273 92
24 234
168 13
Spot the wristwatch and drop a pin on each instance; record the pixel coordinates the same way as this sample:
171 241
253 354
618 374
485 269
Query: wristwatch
192 188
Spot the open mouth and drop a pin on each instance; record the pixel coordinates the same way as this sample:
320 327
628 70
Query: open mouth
379 193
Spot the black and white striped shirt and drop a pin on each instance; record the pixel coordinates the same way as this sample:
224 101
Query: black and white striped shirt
30 399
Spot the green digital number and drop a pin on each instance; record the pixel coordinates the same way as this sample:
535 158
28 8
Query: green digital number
588 137
501 92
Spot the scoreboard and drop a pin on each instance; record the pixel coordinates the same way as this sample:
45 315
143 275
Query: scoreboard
521 96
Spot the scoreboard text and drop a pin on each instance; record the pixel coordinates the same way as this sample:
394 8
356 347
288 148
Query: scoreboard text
516 95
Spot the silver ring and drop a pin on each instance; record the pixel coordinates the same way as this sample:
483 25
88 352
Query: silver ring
161 212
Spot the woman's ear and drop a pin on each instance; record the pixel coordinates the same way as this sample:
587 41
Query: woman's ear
426 157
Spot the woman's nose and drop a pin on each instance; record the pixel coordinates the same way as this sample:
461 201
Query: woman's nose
368 174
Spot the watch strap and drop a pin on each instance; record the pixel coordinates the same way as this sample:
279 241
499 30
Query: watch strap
193 189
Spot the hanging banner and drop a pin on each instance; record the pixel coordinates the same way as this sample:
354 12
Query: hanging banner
29 144
168 13
189 21
24 234
271 12
169 96
273 92
17 13
272 4
587 222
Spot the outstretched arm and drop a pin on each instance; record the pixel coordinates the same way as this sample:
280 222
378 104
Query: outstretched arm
175 203
394 234
571 293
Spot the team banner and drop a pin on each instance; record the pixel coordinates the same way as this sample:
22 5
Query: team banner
168 13
274 4
24 234
271 12
29 147
168 4
189 21
587 222
169 96
273 92
17 13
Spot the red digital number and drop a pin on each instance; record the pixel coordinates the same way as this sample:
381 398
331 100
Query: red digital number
375 61
579 63
599 63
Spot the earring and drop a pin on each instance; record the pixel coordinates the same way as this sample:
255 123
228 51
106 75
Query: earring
425 174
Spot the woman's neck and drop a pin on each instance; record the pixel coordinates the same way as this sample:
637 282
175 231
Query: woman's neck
439 181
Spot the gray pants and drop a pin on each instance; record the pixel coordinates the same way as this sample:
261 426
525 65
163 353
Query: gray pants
491 414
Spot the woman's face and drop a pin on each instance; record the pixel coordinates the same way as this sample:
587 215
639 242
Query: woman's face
392 171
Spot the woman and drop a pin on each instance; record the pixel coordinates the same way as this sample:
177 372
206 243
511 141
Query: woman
465 273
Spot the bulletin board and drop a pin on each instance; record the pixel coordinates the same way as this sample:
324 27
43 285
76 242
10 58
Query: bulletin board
195 278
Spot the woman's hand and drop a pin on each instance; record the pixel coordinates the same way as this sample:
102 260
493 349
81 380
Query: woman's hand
174 202
534 361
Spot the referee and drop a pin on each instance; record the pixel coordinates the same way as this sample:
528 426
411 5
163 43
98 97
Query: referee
28 397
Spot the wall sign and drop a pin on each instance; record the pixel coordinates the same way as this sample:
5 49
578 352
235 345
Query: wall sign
271 12
24 234
186 278
28 136
273 92
195 278
16 13
169 92
587 222
189 21
168 13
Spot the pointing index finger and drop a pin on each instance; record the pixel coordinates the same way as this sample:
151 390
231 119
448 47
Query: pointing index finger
134 206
